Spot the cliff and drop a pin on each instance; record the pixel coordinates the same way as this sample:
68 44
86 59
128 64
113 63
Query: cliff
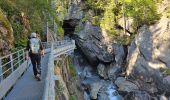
6 34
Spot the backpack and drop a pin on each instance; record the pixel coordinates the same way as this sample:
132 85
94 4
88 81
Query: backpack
34 45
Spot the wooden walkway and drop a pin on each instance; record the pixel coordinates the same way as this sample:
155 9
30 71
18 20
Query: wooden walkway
27 87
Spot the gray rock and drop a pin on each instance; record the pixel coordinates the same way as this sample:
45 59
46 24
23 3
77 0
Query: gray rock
163 97
75 10
144 41
147 54
92 84
86 73
89 41
86 96
129 23
101 69
108 92
119 53
94 89
166 80
139 95
113 70
125 85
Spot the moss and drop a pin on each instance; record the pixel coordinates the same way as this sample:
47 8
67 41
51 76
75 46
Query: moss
78 29
95 20
72 68
165 71
72 97
4 21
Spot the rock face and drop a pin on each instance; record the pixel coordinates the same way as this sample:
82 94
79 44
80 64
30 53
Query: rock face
147 67
89 41
149 54
125 85
75 10
6 34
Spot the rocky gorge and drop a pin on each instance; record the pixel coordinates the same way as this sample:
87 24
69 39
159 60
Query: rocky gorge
108 70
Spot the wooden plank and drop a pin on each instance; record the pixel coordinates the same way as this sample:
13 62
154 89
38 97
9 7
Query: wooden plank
7 83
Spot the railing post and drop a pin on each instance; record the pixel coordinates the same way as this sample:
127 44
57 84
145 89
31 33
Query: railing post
23 53
1 77
12 64
18 58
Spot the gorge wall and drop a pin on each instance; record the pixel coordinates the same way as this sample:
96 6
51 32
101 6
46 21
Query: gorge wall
108 70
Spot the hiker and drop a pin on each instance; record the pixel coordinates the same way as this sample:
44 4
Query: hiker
36 49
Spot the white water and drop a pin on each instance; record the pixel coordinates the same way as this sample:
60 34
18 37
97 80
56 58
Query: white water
113 94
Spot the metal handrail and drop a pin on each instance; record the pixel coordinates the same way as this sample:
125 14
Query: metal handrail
17 65
10 60
65 46
18 58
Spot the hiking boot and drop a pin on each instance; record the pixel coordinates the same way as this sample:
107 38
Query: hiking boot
38 77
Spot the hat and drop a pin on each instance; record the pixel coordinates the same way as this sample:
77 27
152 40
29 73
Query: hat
33 34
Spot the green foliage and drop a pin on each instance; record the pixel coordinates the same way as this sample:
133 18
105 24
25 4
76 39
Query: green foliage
78 29
142 11
95 20
4 21
168 12
72 97
165 71
9 8
108 19
72 68
60 31
36 13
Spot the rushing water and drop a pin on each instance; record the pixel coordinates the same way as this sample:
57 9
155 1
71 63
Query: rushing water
88 76
113 93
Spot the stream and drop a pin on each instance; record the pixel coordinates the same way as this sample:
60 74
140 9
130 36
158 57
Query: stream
94 86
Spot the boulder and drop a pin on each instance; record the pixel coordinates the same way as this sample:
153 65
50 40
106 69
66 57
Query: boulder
92 84
149 53
101 69
125 85
86 96
139 95
118 51
113 71
108 92
89 40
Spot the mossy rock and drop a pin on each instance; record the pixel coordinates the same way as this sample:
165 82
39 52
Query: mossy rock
165 72
6 30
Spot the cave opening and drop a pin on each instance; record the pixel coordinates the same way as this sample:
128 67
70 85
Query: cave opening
69 27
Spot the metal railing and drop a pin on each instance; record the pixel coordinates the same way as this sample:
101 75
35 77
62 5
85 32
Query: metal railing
57 48
12 66
10 62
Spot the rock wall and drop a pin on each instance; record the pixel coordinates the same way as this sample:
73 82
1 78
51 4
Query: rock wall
67 85
149 58
99 65
6 34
